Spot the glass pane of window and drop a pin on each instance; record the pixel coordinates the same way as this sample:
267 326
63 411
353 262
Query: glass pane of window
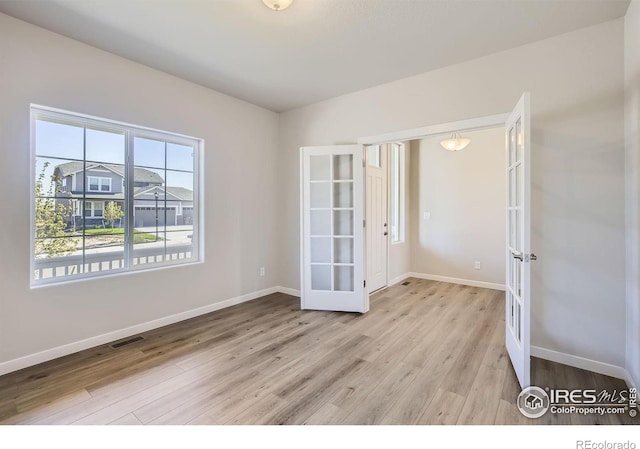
343 222
150 216
512 146
94 184
105 146
343 250
59 140
179 157
343 167
321 249
320 194
320 168
58 258
88 209
374 157
397 182
343 278
343 194
149 153
320 222
321 277
179 227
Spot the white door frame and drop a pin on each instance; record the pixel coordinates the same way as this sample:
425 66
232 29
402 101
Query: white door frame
473 124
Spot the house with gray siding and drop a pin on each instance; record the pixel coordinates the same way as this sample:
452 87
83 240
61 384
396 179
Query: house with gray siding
87 190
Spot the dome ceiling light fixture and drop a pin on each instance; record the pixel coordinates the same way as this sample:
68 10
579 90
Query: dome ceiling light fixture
455 142
277 5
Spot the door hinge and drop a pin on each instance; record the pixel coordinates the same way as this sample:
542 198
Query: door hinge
364 223
365 284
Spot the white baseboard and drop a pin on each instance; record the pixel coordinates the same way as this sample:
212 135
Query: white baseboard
469 282
398 279
60 351
288 291
580 362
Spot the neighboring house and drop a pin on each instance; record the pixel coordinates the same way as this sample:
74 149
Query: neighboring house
105 182
178 210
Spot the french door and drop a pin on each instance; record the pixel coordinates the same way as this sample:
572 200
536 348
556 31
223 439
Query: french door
332 203
518 255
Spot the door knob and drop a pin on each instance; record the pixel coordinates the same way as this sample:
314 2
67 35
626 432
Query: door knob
533 257
517 255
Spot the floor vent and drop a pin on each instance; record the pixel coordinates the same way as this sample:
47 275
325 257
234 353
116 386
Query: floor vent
406 283
126 342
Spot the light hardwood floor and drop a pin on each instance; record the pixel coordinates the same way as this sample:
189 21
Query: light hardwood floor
426 353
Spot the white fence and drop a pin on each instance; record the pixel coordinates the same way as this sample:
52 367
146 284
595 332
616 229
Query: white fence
52 267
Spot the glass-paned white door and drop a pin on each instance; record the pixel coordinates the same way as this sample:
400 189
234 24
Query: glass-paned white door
518 256
332 204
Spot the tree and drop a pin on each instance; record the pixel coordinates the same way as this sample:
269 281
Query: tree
51 219
113 212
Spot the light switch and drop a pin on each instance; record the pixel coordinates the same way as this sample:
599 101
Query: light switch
426 215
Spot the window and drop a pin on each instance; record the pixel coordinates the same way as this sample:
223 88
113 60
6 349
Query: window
397 171
97 184
93 209
374 156
106 197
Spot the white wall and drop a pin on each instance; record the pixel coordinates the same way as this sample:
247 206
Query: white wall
400 252
464 192
576 83
240 189
632 144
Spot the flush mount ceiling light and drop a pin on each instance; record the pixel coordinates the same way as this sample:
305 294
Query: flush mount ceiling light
455 142
277 5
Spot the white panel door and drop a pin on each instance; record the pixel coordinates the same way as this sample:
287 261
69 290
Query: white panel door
518 256
376 229
332 205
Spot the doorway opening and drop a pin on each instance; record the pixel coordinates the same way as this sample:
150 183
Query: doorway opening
386 212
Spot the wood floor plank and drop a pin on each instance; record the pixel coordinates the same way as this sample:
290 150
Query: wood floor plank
427 352
373 408
443 409
202 420
481 405
263 411
55 405
127 420
508 413
328 414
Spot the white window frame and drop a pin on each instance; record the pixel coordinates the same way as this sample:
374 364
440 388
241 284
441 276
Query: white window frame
130 132
93 209
100 184
397 186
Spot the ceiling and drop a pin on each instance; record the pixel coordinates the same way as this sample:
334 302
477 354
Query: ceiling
316 49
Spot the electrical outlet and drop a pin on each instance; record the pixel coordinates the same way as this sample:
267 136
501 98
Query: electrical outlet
261 271
477 265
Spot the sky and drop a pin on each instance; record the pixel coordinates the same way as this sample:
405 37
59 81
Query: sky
63 141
